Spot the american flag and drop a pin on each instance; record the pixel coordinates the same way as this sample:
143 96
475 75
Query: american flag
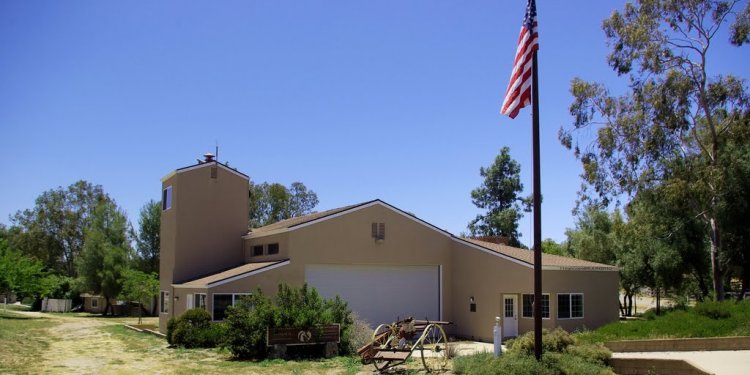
518 94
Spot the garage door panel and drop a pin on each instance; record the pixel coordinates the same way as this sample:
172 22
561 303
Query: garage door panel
380 294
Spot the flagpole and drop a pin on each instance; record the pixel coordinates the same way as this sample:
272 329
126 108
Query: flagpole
537 211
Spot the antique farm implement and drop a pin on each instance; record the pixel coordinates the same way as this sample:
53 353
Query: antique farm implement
393 344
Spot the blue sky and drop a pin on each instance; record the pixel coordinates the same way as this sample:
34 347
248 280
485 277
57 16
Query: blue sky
397 100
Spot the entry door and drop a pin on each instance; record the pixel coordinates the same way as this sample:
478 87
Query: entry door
510 316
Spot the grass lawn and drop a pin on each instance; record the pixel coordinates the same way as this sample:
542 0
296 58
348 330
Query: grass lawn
729 318
22 341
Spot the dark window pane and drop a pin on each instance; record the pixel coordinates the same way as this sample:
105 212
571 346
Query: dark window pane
273 248
221 302
528 307
545 305
563 306
257 250
576 301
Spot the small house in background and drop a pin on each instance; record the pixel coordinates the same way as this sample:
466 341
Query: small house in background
8 298
94 304
385 262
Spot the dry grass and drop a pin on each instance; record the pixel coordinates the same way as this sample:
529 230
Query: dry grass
23 339
79 343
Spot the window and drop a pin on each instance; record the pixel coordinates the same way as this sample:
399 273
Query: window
257 250
570 306
95 302
221 302
166 198
199 301
378 231
273 248
509 304
528 306
224 300
164 302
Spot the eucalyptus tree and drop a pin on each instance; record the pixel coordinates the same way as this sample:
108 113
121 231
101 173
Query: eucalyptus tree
272 202
673 112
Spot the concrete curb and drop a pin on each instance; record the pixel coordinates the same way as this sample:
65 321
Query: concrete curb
638 366
680 345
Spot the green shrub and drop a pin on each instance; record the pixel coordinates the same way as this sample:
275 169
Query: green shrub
571 364
358 335
580 361
193 329
293 307
594 353
556 340
171 324
246 326
715 310
510 363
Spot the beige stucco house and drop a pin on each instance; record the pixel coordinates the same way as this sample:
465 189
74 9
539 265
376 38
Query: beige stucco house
385 262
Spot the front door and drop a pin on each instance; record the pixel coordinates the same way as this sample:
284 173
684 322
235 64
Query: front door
510 316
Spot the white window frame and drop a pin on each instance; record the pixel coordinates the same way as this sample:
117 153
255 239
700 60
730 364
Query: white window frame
532 316
570 306
234 301
164 302
95 302
166 198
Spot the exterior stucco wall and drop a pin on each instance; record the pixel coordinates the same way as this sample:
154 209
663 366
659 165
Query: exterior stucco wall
347 240
487 278
179 300
202 232
600 292
282 239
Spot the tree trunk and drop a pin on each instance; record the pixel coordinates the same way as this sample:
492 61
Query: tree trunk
140 313
107 306
658 301
630 304
718 283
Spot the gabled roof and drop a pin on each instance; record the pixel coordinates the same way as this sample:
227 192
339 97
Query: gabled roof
203 165
513 254
549 261
285 225
232 274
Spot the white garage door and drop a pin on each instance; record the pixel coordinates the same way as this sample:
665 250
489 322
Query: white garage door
380 294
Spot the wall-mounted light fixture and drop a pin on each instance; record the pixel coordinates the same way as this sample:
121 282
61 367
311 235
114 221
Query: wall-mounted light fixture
472 305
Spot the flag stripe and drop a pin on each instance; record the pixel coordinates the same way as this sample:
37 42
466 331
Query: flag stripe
518 93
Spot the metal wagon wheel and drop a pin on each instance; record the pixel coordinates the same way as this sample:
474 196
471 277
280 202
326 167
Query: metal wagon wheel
382 338
433 345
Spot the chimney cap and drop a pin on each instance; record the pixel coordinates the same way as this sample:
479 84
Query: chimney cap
209 157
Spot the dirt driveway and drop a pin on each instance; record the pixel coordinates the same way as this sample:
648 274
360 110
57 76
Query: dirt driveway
78 345
95 345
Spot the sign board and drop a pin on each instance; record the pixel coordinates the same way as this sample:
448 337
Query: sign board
303 336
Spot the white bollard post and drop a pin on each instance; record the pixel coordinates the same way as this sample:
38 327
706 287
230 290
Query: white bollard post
497 335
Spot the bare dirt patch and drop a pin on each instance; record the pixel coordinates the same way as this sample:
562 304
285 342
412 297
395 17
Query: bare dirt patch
79 345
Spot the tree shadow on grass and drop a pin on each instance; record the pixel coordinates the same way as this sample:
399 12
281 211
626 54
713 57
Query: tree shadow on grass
19 317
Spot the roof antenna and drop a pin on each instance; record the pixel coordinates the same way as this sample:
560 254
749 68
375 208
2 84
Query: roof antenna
217 150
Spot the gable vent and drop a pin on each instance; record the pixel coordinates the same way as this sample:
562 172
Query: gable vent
378 231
